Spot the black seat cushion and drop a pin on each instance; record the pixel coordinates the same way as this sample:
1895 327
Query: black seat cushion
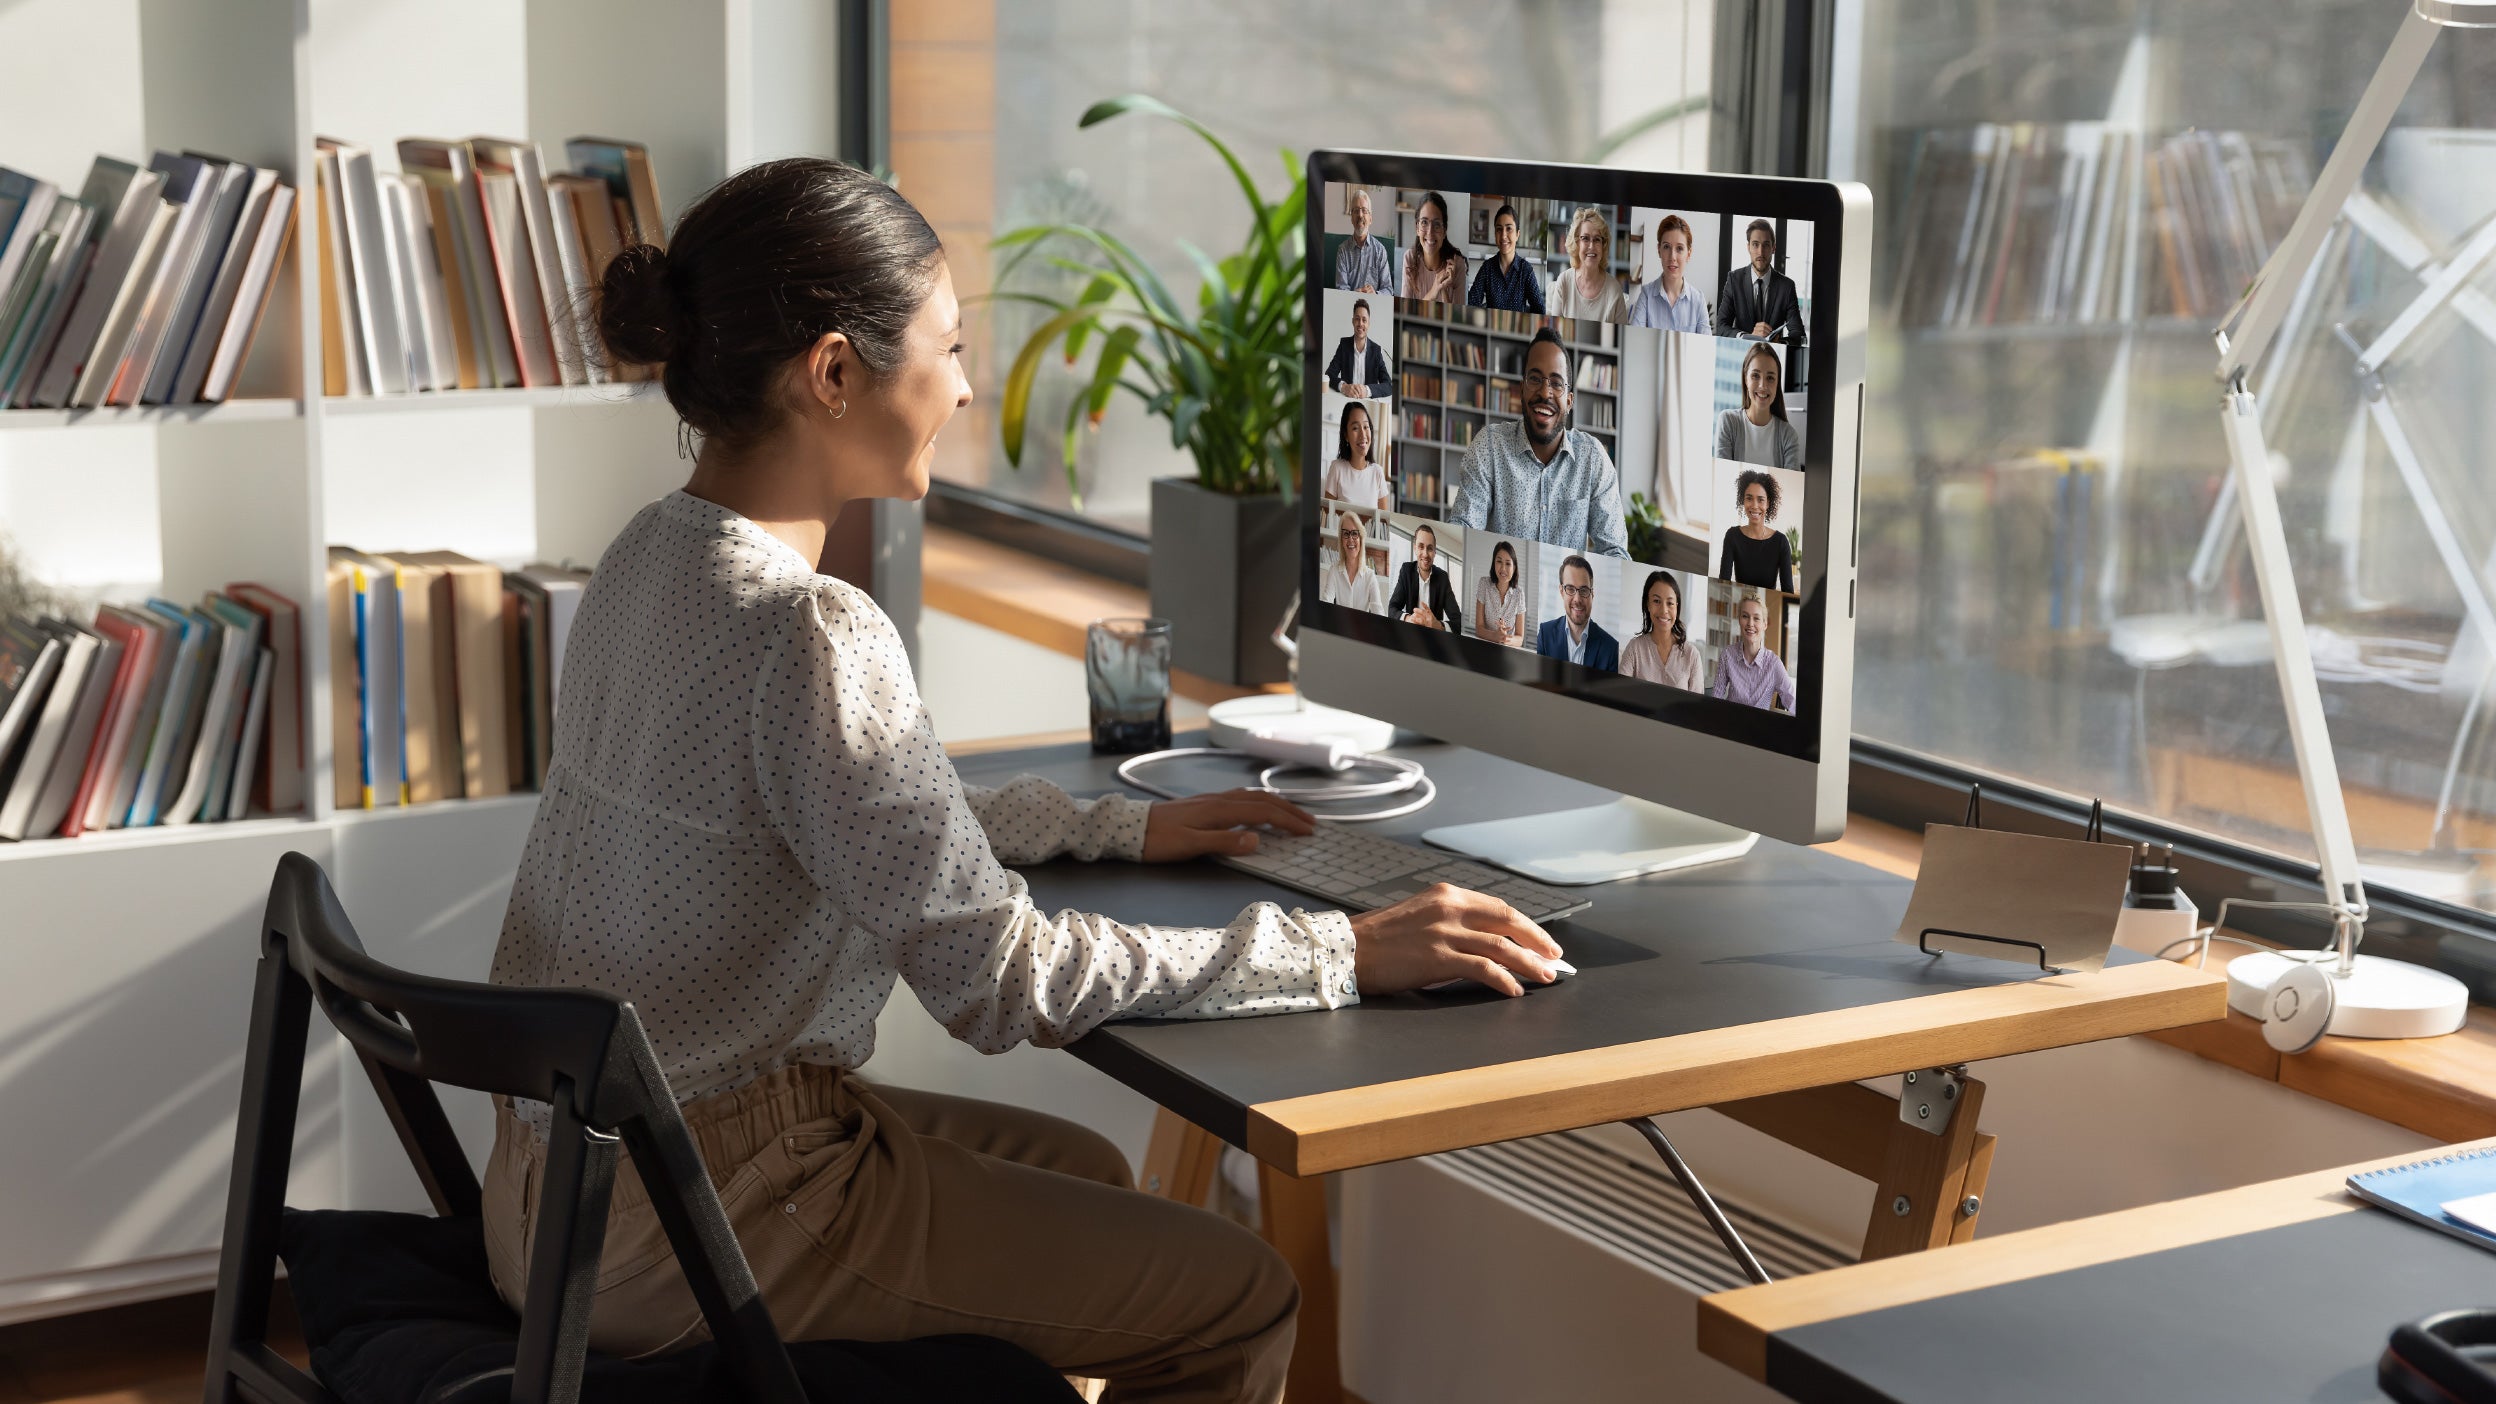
399 1309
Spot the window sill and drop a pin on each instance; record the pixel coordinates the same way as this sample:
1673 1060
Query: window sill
1037 600
2440 1087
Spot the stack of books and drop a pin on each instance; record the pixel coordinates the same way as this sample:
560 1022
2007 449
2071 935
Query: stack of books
443 674
149 716
476 268
145 288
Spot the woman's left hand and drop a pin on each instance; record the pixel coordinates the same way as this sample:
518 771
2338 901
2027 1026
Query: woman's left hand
1177 830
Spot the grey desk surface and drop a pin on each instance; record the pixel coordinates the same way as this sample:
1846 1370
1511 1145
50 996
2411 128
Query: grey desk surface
1782 932
2297 1312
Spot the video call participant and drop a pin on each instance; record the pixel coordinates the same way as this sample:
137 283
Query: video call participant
1359 368
1589 290
1356 476
1434 270
1759 300
1759 431
1755 552
1747 672
1662 652
1537 478
1575 635
1669 303
1506 279
1351 583
1423 594
1362 263
1499 601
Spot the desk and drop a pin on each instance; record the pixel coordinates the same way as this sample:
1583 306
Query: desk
2283 1290
1765 987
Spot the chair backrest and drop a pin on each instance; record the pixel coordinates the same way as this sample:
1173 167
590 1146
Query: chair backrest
582 1052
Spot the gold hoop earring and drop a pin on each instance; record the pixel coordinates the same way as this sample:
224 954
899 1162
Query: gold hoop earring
840 409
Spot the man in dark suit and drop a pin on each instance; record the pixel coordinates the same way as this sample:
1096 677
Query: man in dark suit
1575 635
1359 368
1423 594
1757 300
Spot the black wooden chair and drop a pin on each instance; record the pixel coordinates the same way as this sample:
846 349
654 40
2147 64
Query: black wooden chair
398 1308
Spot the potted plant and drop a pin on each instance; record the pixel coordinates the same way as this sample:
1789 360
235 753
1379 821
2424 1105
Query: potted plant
1222 369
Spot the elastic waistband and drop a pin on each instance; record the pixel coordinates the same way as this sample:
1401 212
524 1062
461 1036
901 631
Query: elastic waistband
729 1128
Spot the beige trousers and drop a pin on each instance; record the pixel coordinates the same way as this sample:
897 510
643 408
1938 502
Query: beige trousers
877 1214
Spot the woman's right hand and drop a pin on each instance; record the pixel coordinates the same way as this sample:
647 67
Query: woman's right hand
1449 933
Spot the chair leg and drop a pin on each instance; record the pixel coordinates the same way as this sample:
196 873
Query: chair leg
264 1148
563 1259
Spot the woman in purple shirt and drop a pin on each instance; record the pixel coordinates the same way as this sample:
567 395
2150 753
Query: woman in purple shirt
1747 672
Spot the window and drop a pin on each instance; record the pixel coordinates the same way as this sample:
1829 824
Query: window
984 139
2071 195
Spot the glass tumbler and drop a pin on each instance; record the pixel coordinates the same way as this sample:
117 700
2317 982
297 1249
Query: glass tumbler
1126 669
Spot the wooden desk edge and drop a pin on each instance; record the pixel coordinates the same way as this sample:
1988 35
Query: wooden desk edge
1359 1126
1734 1327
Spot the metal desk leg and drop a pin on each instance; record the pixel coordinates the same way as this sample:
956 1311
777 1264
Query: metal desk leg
1741 1251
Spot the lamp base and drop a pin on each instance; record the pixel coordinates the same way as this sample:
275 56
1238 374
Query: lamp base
2378 998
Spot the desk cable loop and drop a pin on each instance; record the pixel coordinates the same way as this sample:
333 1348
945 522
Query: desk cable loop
1401 777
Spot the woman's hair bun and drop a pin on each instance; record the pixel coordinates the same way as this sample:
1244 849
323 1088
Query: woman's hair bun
641 316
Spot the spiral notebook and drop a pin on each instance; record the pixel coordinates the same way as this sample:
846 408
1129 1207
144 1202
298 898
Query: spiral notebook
2431 1191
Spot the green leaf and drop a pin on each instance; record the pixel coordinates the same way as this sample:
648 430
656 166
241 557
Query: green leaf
1015 409
1114 353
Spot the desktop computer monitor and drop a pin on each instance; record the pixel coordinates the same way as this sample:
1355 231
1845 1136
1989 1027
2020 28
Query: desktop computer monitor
1578 488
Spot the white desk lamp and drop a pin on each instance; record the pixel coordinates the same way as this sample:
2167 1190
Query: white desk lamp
2371 997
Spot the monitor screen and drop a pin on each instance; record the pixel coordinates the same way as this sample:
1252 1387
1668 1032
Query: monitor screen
1566 433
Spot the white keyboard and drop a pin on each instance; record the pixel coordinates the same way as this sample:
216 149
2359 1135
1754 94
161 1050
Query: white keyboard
1363 872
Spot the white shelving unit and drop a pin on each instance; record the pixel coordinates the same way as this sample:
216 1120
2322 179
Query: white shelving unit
126 957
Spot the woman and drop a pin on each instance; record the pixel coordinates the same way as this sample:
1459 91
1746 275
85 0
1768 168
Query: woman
1755 552
1662 652
1758 431
1505 280
1433 270
1499 601
750 830
1355 476
1589 290
1351 583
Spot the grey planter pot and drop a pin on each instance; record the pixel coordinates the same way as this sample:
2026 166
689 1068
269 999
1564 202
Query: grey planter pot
1224 569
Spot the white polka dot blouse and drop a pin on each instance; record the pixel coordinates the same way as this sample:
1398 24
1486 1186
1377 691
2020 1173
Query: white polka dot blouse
749 830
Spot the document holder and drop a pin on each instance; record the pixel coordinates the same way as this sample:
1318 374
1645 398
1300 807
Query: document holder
2027 896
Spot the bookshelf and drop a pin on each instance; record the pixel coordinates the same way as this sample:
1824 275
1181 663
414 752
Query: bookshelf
130 952
1456 371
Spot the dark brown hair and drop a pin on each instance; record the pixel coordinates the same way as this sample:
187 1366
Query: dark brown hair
1646 619
763 265
1743 484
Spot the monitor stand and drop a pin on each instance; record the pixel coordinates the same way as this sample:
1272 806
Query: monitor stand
1602 843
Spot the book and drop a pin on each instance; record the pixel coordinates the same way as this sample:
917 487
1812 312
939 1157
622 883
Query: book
194 186
520 161
450 179
370 258
579 319
126 223
251 297
122 795
430 690
217 304
474 627
112 734
343 370
69 765
25 778
17 298
278 785
25 209
458 347
516 710
562 588
28 658
211 243
212 744
515 275
347 745
625 167
103 358
381 701
46 296
230 738
177 724
2426 1191
255 715
432 360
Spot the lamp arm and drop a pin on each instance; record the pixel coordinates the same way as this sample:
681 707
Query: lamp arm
2248 329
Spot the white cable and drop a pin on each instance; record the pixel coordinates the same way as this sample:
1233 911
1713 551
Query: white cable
1403 777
